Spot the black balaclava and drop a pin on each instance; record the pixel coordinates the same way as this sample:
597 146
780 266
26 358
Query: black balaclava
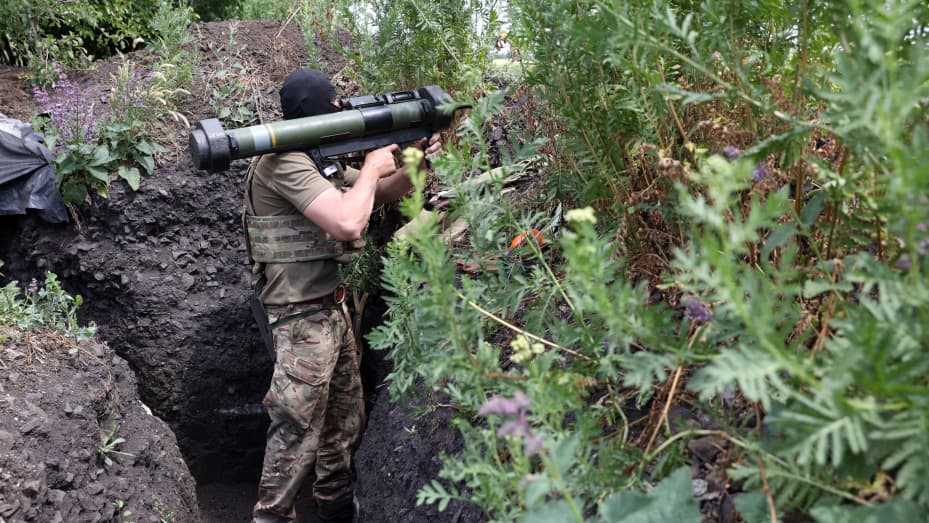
307 92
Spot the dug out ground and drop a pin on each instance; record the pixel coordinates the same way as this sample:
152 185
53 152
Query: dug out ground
162 275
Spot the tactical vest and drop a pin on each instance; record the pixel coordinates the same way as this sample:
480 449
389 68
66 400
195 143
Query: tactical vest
290 238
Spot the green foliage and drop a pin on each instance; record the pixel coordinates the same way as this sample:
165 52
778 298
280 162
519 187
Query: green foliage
176 57
362 272
668 501
94 138
897 510
40 33
88 146
48 307
162 511
785 200
108 445
407 43
209 10
231 85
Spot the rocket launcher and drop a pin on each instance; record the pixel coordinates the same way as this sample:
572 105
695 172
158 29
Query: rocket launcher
364 123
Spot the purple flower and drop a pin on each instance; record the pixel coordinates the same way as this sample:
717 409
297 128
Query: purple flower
518 426
922 227
505 407
761 172
904 263
731 152
33 287
70 114
696 311
532 444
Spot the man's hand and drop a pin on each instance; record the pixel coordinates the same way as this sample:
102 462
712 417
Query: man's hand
430 148
381 161
435 145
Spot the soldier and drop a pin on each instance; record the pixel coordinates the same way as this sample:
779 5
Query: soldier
315 399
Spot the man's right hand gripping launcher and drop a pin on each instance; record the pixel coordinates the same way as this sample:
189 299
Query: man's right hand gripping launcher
364 123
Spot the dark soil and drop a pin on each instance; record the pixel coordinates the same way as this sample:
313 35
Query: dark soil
161 272
64 406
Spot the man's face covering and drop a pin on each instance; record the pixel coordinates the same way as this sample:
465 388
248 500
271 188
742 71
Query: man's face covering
307 92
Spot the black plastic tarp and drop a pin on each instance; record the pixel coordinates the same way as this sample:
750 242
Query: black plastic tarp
27 177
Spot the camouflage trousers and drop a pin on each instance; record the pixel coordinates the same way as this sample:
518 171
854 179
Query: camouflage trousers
316 406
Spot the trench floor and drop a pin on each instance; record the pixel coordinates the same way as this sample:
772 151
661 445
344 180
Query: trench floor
233 502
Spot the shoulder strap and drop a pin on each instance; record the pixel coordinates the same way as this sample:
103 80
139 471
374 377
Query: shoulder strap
248 209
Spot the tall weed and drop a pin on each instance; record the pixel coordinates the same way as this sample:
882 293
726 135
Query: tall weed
409 43
747 236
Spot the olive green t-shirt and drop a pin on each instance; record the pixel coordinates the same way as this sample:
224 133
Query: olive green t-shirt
285 184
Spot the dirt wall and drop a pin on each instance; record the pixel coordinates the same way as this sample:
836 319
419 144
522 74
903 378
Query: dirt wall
76 444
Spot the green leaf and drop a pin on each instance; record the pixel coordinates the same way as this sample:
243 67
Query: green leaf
536 490
563 453
100 174
777 142
825 432
813 288
552 512
752 506
670 501
897 510
131 175
144 146
813 209
74 192
778 238
755 372
101 156
147 163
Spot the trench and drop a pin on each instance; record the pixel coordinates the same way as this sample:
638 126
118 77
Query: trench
215 408
228 497
199 360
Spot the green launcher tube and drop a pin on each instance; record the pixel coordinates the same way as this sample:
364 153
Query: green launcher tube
376 122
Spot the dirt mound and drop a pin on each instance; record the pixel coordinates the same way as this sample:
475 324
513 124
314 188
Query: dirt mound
77 444
162 275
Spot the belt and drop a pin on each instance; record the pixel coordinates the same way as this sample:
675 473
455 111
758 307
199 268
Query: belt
336 297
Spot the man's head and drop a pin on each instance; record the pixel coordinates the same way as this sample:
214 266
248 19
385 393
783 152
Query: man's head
307 92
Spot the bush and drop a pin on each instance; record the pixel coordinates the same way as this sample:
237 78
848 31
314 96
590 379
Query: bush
209 10
403 44
89 145
46 307
36 33
747 236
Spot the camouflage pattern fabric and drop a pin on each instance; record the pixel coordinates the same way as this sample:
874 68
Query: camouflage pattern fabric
288 239
316 406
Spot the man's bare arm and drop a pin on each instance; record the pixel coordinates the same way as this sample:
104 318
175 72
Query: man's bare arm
345 215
